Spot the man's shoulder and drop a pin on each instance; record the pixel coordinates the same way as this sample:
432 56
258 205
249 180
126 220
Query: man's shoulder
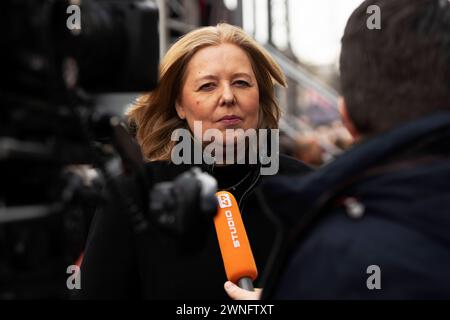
292 166
343 249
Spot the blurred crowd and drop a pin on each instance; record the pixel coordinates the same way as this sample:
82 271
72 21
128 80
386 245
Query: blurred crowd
316 145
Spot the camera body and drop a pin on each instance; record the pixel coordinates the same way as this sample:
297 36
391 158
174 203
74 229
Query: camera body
114 48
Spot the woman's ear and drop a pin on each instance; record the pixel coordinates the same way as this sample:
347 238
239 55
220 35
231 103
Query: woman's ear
180 110
346 120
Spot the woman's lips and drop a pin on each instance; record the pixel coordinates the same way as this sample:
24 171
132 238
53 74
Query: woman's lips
230 120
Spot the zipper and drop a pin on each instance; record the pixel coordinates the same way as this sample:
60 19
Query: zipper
247 192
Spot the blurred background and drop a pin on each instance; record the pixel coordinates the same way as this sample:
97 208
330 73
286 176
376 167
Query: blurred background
304 37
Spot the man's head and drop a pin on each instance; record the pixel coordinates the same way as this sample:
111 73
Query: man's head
400 72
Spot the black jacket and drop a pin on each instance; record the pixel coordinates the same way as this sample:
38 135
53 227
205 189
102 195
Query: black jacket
384 203
157 265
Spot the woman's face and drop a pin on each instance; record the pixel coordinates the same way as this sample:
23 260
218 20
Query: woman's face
220 90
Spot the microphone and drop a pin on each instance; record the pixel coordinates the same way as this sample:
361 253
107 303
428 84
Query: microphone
236 252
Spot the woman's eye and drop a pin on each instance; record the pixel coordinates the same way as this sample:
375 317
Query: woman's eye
207 86
242 83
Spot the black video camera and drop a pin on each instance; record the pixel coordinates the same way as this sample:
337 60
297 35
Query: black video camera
57 151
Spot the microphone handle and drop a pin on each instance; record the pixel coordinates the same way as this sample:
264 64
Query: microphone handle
246 284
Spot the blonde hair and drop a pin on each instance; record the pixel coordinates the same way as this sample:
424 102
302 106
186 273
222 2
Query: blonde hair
154 117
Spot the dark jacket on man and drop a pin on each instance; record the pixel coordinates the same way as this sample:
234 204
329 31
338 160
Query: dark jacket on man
374 224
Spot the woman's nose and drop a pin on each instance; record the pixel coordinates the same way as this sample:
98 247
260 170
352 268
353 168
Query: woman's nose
227 96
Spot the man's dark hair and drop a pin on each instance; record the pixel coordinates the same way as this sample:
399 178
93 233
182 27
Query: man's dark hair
400 72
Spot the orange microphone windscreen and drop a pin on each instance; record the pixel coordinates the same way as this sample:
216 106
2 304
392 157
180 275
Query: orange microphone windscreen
236 251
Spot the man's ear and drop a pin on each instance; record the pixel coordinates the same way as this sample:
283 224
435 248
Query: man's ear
346 120
180 110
